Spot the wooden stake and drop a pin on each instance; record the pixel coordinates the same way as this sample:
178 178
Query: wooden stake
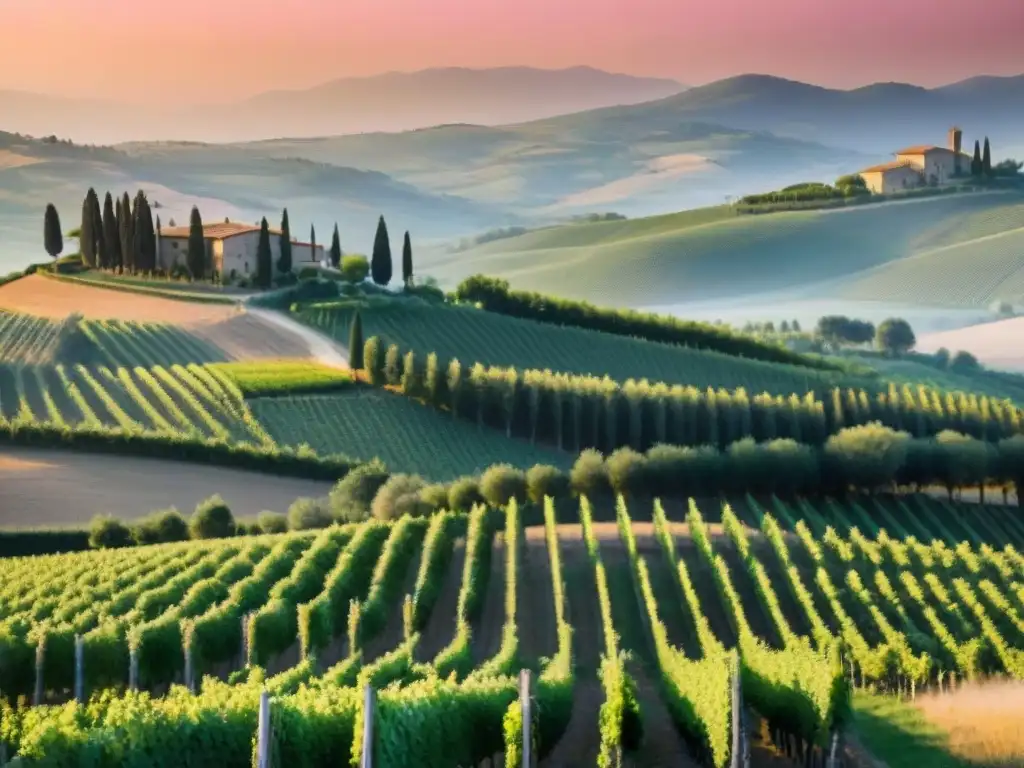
526 705
263 734
369 715
79 669
37 696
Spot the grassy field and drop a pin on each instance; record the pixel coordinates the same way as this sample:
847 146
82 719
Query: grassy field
474 336
418 439
957 251
484 600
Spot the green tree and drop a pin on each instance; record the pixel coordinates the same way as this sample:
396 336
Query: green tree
355 343
111 235
53 238
895 336
986 159
336 248
196 254
354 268
380 262
212 520
264 256
407 261
144 234
976 164
99 242
964 362
127 236
107 532
87 241
284 259
312 242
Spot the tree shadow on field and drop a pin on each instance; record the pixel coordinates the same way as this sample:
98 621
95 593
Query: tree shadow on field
899 735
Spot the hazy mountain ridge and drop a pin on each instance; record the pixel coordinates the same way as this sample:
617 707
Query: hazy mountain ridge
393 101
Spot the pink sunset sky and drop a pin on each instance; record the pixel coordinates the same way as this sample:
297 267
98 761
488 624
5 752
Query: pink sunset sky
221 50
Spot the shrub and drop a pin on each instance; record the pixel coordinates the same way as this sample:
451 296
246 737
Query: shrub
464 494
544 480
964 362
355 268
272 522
589 476
435 496
351 497
399 496
502 482
212 520
306 514
161 527
626 471
107 532
393 365
308 272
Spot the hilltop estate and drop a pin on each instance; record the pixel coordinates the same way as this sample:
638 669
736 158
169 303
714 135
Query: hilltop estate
920 165
231 248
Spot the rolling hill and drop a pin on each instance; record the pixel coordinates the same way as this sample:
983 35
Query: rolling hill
391 101
958 251
223 184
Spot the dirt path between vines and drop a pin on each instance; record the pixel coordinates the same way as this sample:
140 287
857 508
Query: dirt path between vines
440 629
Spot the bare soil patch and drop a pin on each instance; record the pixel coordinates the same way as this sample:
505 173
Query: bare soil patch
535 613
42 487
983 722
488 630
393 633
440 629
45 297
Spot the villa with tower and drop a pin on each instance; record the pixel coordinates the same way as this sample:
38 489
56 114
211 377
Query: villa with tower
922 165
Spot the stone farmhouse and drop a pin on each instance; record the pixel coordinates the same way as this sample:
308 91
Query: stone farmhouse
231 248
919 166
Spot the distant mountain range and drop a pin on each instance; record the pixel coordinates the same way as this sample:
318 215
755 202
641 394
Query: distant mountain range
394 101
877 118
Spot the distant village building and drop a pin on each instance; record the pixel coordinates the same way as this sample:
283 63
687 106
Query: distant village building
231 248
919 166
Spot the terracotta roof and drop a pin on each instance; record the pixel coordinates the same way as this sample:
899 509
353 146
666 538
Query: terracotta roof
894 165
223 230
922 149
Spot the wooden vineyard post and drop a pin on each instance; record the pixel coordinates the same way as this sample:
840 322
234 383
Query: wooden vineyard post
263 732
369 715
37 694
133 670
740 745
189 672
834 752
526 706
246 621
79 669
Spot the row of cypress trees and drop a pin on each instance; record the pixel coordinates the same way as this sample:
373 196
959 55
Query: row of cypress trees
577 412
381 267
121 235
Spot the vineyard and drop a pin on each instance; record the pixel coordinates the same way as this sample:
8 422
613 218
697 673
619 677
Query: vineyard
474 336
403 434
191 401
782 606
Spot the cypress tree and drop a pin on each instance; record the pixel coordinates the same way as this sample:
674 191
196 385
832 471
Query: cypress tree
111 236
407 261
53 238
264 257
380 263
284 261
336 248
976 160
355 343
312 242
127 235
99 242
86 239
986 160
196 254
143 235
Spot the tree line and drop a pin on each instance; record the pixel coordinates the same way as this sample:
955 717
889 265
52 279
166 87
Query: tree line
575 412
120 235
868 458
494 295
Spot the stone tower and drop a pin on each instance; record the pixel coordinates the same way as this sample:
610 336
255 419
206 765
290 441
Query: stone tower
955 139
